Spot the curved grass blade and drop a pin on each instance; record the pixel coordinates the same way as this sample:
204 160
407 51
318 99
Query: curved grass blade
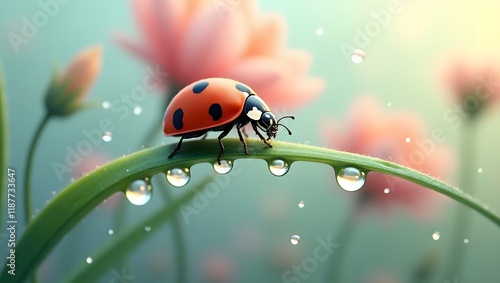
74 202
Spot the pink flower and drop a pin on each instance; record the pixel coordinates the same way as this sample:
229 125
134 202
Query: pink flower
473 83
67 91
196 39
399 137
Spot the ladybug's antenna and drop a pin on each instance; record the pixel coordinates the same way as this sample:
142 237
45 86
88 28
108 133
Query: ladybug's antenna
291 117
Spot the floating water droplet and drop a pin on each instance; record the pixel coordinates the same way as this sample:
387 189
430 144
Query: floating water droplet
137 110
389 104
178 177
320 31
147 228
436 235
408 140
295 240
107 136
358 56
54 193
479 170
351 179
224 167
139 192
111 232
466 241
106 104
278 167
301 204
89 260
387 190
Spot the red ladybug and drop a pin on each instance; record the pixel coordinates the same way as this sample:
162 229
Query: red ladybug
218 104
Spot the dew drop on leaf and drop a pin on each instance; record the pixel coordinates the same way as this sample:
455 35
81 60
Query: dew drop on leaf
351 179
224 167
278 167
295 240
178 177
89 260
139 192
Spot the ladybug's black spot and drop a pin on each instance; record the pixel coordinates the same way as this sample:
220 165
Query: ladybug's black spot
243 88
215 111
178 115
199 87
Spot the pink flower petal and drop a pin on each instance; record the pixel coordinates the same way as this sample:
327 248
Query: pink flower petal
211 44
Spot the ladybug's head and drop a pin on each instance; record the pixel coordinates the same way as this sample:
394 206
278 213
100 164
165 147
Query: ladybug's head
269 124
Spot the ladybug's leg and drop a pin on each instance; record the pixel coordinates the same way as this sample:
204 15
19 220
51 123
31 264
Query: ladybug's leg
221 136
240 129
244 131
177 147
260 135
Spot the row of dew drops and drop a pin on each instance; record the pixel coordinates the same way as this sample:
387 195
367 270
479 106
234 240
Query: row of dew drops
139 192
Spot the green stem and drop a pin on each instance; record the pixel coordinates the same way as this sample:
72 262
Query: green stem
462 217
29 165
344 237
179 240
83 195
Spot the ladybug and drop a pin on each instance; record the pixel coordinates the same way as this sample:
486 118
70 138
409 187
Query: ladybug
218 104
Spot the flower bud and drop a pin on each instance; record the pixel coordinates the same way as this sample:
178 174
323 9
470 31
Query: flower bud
66 91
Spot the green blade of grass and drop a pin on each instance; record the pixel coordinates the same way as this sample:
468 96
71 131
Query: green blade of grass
75 201
125 242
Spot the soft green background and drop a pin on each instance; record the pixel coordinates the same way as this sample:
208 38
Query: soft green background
252 219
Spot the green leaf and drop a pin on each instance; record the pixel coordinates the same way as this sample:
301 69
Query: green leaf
3 148
74 202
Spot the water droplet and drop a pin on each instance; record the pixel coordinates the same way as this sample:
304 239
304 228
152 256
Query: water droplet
139 192
278 167
137 110
54 193
178 177
357 56
89 260
351 179
106 104
147 228
111 232
479 170
107 137
436 236
320 31
301 204
387 190
224 167
389 104
407 140
466 241
295 240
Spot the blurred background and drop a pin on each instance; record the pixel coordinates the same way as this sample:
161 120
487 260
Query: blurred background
386 78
